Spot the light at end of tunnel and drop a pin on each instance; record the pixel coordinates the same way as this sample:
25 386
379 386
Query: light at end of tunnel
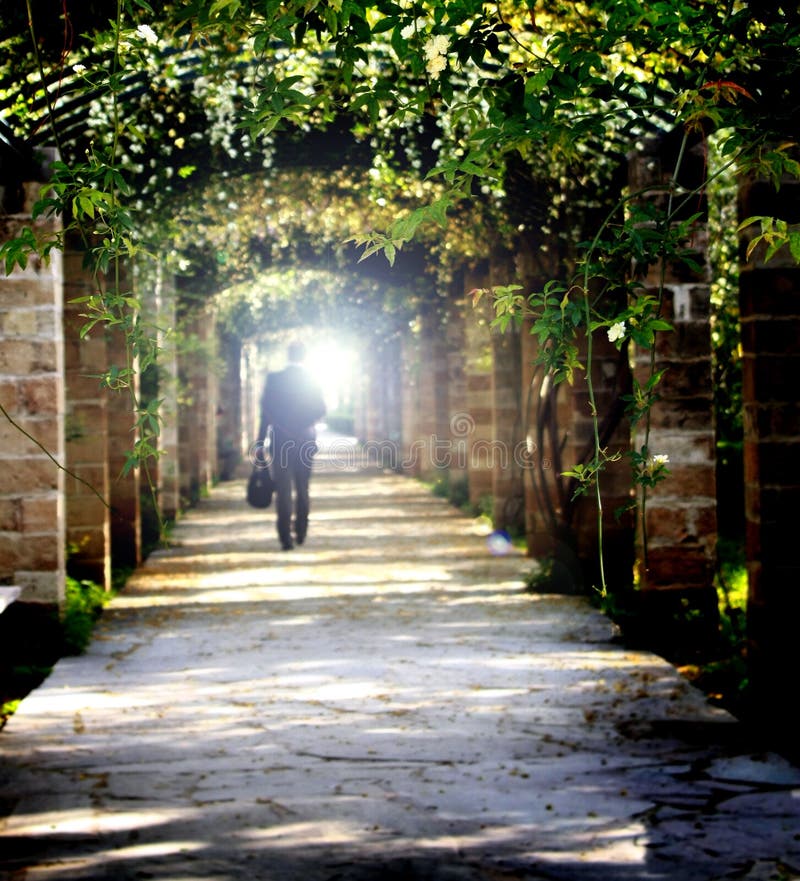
333 366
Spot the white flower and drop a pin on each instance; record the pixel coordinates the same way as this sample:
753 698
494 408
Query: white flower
656 464
408 31
147 34
437 45
616 331
436 65
79 68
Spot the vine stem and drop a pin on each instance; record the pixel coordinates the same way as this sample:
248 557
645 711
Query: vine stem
50 456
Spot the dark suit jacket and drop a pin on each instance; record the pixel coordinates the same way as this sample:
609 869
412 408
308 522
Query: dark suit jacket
291 404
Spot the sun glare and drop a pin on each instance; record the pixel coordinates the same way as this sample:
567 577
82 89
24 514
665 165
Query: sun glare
333 364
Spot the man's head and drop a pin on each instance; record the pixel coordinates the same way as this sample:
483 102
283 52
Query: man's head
297 352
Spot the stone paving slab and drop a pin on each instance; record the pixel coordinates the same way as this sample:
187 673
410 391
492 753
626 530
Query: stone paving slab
386 702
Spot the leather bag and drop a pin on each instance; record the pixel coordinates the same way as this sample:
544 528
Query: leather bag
260 487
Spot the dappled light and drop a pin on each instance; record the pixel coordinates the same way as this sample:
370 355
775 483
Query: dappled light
373 704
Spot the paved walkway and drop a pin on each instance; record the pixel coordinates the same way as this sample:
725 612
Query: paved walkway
384 704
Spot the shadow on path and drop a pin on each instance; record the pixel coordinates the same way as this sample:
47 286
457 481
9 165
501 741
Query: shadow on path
385 702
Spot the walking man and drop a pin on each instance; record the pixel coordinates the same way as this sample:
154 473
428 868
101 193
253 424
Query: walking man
291 404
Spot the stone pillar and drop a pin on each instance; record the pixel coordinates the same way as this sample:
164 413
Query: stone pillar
87 484
545 416
230 407
410 357
507 488
390 396
478 367
681 510
125 488
32 528
380 401
677 555
459 420
434 420
167 468
770 315
252 384
197 415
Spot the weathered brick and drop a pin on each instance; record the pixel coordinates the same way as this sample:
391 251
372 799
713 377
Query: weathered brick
690 481
40 552
683 448
682 380
86 540
8 395
770 336
27 291
41 394
14 441
770 292
771 421
678 567
29 475
688 338
668 524
41 586
772 462
18 322
39 514
23 357
9 514
770 377
95 474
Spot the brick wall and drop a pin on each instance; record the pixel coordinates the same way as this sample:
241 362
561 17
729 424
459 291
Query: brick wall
32 532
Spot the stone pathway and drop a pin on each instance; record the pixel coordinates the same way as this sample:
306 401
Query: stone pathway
384 704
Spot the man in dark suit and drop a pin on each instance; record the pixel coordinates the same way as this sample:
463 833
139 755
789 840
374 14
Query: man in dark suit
291 404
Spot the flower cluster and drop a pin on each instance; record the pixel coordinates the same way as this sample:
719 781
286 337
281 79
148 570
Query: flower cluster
436 53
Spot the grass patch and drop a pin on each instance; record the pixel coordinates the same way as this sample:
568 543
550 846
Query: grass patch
82 607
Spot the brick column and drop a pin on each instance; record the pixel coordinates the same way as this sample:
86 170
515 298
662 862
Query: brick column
770 314
88 514
478 366
252 387
380 421
507 489
681 510
230 407
410 358
32 530
434 419
126 526
167 468
459 420
676 577
197 415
